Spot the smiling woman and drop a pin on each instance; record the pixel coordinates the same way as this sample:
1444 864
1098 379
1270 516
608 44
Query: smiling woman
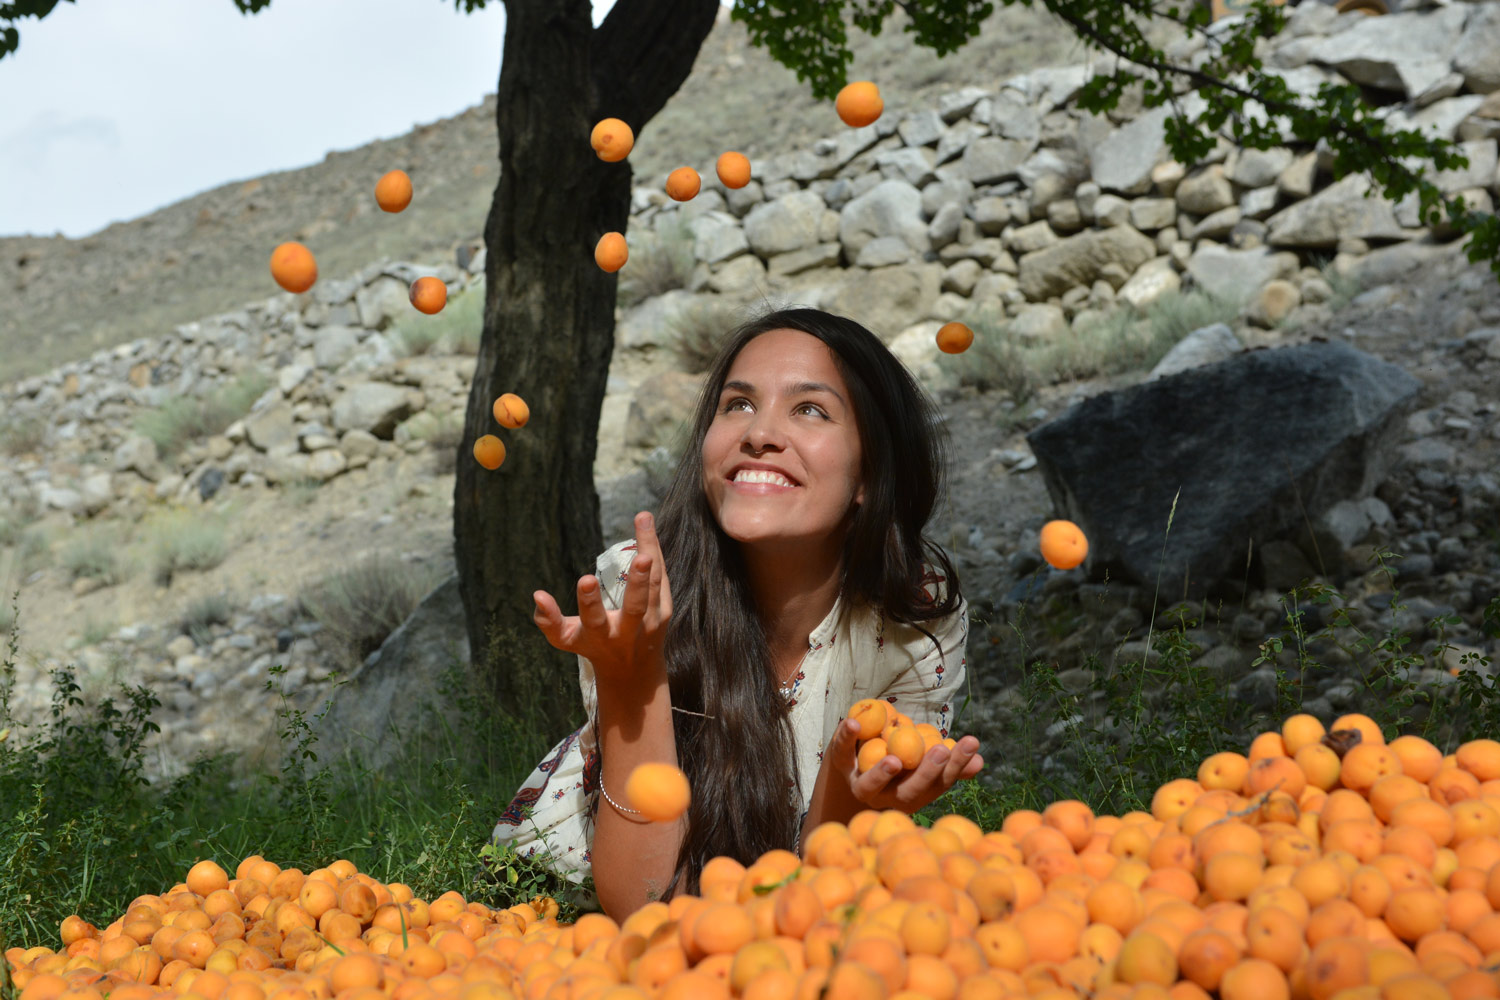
791 577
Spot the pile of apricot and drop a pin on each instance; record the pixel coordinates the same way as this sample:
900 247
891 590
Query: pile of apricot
1322 863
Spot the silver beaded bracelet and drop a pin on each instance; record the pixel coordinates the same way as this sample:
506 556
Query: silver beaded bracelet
611 801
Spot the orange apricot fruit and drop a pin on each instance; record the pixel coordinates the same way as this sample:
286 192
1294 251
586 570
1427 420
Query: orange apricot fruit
489 451
511 411
659 790
954 338
1063 545
612 140
733 169
294 267
859 103
683 184
428 294
611 252
393 191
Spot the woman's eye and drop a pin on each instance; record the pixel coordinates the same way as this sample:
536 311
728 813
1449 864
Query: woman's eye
735 402
810 406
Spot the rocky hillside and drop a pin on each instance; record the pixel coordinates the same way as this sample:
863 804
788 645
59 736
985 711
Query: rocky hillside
195 507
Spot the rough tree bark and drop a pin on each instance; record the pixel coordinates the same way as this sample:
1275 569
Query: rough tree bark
549 323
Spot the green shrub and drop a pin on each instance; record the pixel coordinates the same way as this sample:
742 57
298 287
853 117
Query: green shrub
697 329
94 553
456 330
183 419
181 541
995 361
202 614
361 606
84 830
22 435
660 260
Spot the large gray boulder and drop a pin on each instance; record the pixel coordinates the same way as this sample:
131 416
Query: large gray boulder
1079 260
1123 161
376 407
890 208
1406 53
660 408
1339 211
888 300
1197 447
1477 56
788 223
397 693
1235 275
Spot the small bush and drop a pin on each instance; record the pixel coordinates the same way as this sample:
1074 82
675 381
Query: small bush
361 606
94 554
202 614
1345 286
995 362
1120 341
182 541
96 630
183 419
660 260
303 491
697 330
1176 314
455 330
22 435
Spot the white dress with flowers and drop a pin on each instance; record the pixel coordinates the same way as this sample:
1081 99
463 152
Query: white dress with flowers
854 653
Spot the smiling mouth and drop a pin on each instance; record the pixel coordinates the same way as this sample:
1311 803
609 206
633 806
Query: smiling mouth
760 477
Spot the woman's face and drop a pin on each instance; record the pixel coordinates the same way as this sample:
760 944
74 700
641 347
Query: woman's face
781 458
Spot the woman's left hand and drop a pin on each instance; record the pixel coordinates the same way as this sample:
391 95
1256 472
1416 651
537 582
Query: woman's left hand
887 786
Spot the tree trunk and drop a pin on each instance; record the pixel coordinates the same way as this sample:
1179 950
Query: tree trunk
549 324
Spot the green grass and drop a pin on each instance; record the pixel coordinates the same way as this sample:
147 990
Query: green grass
82 830
1345 286
184 419
202 614
455 330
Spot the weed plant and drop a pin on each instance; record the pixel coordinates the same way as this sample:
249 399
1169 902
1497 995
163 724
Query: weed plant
455 330
84 830
660 260
183 419
697 329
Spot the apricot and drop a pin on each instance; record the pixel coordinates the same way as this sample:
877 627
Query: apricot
859 104
294 267
733 169
489 451
393 191
1063 544
511 411
954 338
683 184
612 140
428 294
659 790
611 252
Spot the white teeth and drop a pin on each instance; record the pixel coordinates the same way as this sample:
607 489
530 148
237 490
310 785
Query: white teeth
761 476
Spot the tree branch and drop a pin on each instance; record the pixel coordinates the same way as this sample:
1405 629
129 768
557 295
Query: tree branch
637 53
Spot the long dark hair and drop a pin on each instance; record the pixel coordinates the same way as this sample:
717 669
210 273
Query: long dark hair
737 749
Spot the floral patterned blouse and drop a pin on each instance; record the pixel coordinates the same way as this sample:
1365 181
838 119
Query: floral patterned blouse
854 653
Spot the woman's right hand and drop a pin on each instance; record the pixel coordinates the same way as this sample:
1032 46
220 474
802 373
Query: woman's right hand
622 645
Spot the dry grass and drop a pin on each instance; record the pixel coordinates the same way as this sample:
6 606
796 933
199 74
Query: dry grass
361 606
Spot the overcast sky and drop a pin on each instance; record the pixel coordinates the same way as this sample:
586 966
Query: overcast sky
111 109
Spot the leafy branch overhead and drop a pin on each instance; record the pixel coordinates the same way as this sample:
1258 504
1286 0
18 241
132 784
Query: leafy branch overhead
1238 98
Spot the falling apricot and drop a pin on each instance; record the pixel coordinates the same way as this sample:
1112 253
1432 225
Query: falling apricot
610 253
429 295
489 451
393 191
1063 544
660 791
511 411
683 184
294 267
954 338
612 140
859 103
733 169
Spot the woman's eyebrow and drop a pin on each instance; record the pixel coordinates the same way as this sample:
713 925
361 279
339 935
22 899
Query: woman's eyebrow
795 389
